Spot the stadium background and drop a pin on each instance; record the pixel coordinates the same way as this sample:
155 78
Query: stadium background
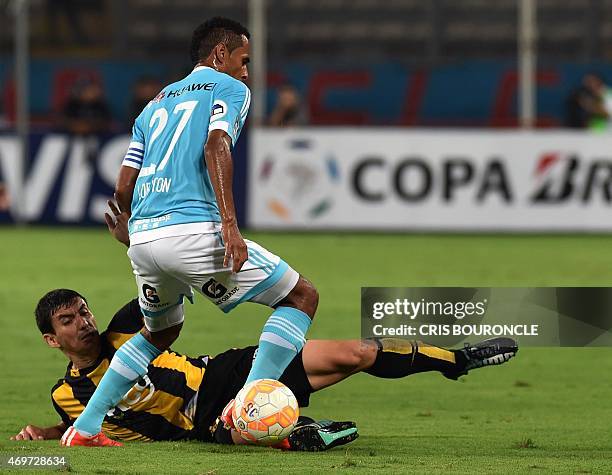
439 84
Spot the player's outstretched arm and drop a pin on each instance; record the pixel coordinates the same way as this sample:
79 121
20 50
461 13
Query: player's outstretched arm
32 432
124 188
218 156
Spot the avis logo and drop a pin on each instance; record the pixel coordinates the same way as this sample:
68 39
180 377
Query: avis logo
564 177
299 185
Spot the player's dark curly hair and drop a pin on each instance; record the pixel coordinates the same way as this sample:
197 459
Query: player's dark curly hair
50 303
214 31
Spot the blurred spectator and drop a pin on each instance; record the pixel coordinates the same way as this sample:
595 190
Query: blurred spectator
145 89
71 10
86 111
288 110
5 202
586 105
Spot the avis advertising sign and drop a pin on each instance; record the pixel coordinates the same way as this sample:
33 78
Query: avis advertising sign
430 180
67 180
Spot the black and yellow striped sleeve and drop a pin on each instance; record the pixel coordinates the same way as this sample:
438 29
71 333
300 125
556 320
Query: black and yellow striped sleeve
64 402
177 370
128 319
126 322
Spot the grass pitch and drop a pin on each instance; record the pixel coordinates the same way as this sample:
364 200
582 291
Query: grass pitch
547 411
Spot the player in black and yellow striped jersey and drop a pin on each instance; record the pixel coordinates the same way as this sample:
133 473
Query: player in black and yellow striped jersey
181 397
160 406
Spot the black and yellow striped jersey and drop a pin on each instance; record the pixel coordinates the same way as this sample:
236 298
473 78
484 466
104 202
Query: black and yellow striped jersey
160 406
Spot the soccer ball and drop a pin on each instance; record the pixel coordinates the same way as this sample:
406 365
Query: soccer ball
265 412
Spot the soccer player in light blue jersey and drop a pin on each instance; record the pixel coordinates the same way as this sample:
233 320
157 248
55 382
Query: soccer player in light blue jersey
176 186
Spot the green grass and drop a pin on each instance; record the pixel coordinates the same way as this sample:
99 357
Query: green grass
547 411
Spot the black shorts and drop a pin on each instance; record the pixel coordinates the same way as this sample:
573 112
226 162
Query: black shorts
225 375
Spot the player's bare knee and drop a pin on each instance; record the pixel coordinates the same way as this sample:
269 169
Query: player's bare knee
311 298
353 356
364 354
368 352
304 297
164 338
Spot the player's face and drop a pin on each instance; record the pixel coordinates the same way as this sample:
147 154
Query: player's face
237 64
75 329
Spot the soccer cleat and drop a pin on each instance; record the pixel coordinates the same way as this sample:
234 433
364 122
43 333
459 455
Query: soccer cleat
226 415
72 438
322 435
486 353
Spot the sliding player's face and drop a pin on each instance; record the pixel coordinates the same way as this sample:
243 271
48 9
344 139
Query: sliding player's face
75 329
237 64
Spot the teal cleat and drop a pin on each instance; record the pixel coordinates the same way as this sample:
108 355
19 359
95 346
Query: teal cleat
311 436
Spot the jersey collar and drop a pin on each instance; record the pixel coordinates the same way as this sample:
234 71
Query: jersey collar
198 68
106 352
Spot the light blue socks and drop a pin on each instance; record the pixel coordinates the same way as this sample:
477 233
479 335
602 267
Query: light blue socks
282 338
129 363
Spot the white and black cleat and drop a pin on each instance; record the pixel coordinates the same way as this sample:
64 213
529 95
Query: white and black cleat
494 351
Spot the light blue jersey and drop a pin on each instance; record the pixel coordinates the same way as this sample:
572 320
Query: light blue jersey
168 138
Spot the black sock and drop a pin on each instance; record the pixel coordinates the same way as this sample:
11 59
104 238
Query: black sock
397 358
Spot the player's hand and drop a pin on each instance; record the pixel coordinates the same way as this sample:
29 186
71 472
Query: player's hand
30 432
235 248
118 226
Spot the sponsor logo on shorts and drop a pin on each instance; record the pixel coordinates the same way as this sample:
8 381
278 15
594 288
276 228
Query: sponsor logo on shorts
150 294
227 296
154 306
213 289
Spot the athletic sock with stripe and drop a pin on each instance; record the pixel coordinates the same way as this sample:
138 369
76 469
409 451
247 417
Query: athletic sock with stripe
129 363
282 338
397 358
